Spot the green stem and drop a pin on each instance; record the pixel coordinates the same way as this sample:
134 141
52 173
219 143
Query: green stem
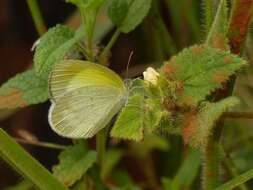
37 17
41 144
149 171
211 169
236 115
105 52
209 14
237 181
229 164
101 146
161 34
89 30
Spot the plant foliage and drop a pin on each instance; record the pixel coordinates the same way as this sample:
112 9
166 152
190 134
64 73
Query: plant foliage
181 96
74 163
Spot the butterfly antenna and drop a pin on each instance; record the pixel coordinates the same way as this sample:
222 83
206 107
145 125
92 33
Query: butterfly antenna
128 63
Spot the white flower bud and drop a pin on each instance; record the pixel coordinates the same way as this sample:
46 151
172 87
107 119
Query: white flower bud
151 75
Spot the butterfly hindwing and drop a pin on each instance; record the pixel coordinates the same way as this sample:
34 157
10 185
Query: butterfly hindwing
85 98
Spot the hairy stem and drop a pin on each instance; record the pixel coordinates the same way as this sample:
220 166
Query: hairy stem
212 158
209 13
37 17
239 23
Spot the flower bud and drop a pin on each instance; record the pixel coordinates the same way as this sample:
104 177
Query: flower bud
151 75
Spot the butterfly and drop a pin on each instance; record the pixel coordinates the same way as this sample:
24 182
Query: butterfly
85 97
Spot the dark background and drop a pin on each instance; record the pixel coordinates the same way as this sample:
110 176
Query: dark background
17 37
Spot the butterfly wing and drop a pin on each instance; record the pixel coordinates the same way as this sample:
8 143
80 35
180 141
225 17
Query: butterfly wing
85 98
71 75
82 113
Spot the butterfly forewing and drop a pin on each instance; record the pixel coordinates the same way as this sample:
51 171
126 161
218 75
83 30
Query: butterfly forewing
71 75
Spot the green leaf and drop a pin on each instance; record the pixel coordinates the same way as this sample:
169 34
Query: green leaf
22 90
58 43
74 163
188 170
199 126
237 181
68 50
128 14
48 43
25 164
142 114
117 11
217 36
154 113
130 122
201 70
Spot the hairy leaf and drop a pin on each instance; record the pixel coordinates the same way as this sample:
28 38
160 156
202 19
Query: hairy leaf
200 70
48 43
68 50
130 122
209 10
74 162
22 90
128 14
140 115
217 36
199 126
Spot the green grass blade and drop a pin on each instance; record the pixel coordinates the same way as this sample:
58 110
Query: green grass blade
237 181
188 171
22 185
25 164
